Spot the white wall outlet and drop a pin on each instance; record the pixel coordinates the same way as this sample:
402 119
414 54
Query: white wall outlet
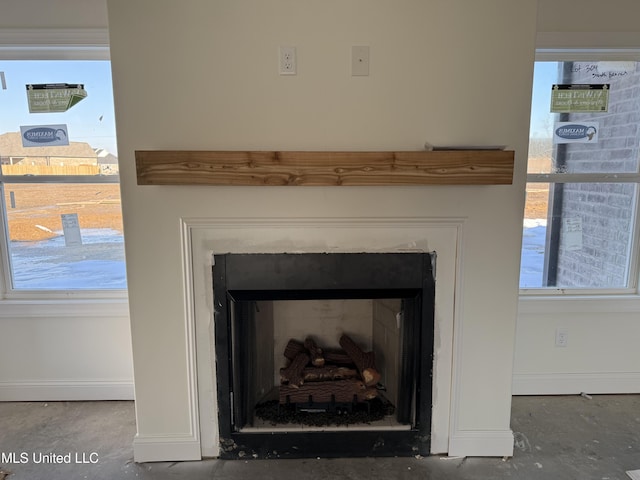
562 337
287 61
359 61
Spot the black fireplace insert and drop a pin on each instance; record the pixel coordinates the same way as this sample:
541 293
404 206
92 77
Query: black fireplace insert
246 288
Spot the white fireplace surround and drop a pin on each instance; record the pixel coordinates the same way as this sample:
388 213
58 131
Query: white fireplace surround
203 237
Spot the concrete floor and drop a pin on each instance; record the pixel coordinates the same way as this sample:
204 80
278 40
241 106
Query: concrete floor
564 437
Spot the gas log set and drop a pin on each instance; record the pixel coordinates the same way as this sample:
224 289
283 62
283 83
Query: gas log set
327 378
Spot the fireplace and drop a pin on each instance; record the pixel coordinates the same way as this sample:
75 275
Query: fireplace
392 295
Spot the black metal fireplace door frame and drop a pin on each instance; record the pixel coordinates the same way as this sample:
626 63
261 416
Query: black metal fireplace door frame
283 276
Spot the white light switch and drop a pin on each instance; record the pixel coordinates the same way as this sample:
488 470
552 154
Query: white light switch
359 61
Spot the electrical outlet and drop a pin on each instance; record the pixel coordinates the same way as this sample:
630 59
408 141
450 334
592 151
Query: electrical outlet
562 337
287 61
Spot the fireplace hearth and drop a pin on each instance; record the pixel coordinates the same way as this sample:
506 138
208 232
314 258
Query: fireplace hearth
249 292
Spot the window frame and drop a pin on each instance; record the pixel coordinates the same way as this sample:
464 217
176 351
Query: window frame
633 288
51 44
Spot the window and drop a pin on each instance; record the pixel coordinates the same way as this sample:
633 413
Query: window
581 223
60 197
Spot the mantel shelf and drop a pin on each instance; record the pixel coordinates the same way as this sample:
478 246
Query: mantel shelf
279 168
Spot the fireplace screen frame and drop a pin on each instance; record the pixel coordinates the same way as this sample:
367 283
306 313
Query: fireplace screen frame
241 278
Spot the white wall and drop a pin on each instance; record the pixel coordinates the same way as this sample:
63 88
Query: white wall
415 93
587 16
602 355
203 75
62 349
312 234
65 351
54 14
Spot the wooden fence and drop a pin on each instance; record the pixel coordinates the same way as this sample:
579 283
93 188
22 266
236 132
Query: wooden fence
50 170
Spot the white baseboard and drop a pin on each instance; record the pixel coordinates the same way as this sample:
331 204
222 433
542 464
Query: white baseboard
481 443
52 391
166 448
575 383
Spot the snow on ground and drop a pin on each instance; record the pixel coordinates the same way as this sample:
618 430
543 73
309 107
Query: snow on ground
534 233
99 263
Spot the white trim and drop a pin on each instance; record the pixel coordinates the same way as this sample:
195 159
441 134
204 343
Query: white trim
54 44
63 390
579 55
575 383
59 296
445 407
558 305
482 443
458 349
550 292
622 45
165 448
5 263
609 177
87 308
325 222
190 337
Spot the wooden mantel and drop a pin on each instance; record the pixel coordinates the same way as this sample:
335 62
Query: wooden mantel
437 167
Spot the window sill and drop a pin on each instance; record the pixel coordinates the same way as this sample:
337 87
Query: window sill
64 306
579 304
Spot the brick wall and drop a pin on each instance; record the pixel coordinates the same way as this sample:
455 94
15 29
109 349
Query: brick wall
605 211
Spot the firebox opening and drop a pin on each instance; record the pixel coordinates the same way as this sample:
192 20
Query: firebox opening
280 319
326 390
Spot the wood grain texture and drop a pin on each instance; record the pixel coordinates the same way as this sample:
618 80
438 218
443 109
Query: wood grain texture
255 168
